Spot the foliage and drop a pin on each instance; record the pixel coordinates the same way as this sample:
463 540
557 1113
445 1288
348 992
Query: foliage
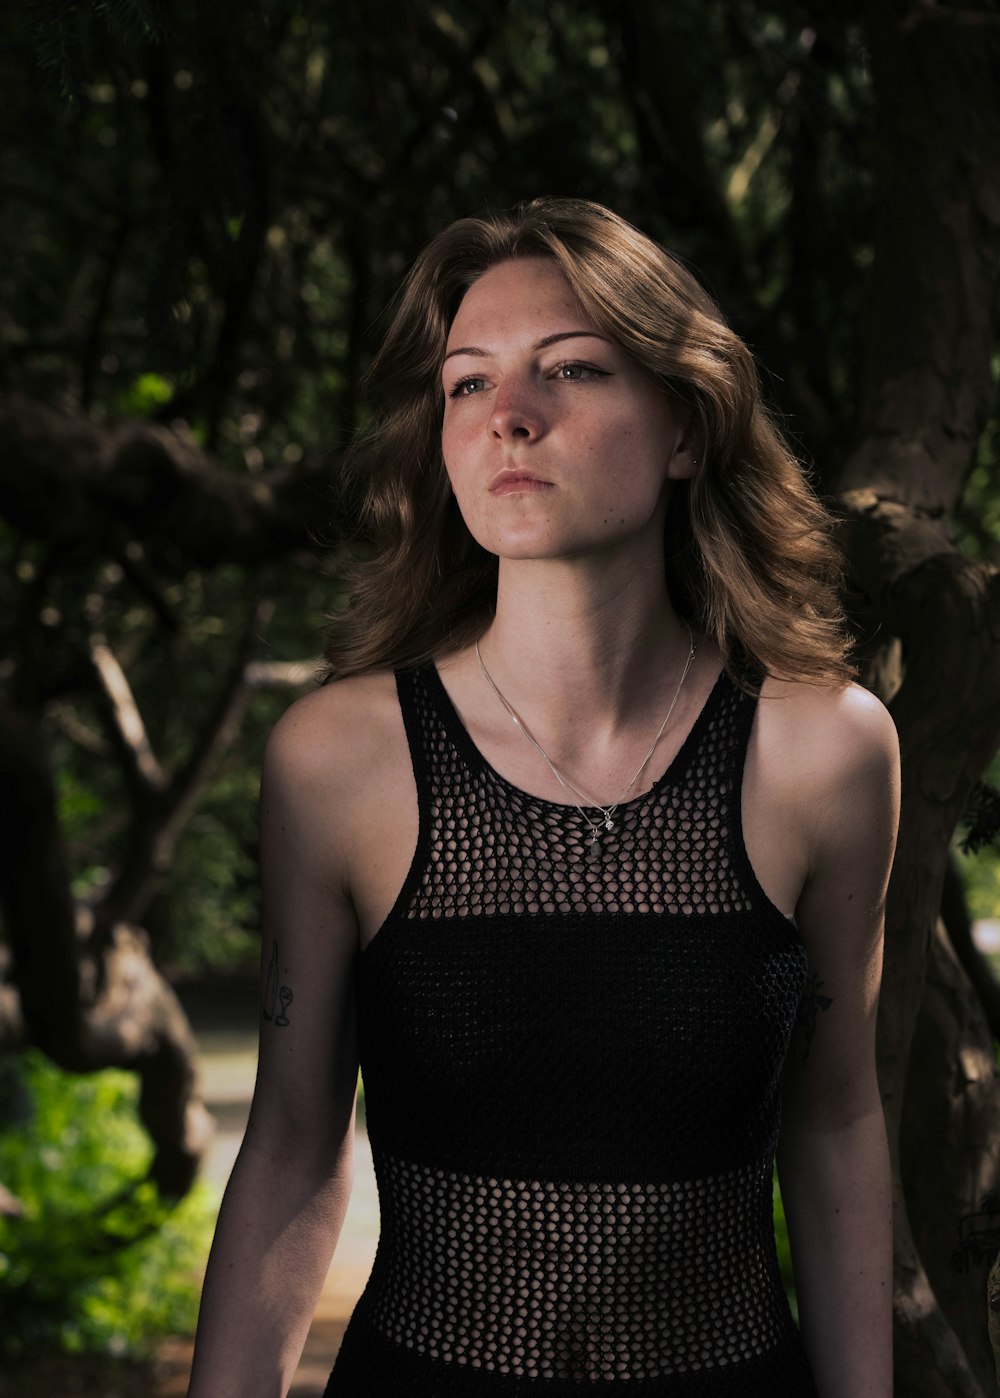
977 518
784 1247
981 876
982 818
977 525
977 850
207 209
206 917
207 218
96 1261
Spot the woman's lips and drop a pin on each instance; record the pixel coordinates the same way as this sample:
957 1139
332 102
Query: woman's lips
513 484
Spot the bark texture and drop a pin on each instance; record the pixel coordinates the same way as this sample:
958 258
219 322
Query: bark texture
931 619
86 1002
117 482
949 1140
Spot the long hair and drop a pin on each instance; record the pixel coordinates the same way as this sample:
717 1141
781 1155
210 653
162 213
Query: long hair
748 549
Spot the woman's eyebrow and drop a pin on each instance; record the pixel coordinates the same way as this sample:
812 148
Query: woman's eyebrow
539 344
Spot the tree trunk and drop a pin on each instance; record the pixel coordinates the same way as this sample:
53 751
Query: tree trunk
945 611
950 1141
932 326
958 925
85 1007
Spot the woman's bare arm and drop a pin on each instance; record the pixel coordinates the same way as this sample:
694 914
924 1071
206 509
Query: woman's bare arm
285 1202
833 1158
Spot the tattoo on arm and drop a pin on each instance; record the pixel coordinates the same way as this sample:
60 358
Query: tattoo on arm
272 992
810 1005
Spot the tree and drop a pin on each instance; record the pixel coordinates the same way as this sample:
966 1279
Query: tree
211 208
928 393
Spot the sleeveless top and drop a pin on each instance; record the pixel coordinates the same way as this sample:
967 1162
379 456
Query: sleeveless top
573 1064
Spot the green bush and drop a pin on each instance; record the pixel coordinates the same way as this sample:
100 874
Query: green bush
784 1248
97 1262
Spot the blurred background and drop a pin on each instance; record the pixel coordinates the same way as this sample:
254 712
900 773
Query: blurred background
206 210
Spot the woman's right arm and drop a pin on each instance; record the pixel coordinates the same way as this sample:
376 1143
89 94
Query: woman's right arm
285 1201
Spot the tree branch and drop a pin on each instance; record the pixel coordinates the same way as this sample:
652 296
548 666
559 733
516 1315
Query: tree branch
143 771
86 1013
663 69
137 480
158 823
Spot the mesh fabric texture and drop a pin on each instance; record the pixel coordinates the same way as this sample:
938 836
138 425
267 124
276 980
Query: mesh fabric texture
573 1062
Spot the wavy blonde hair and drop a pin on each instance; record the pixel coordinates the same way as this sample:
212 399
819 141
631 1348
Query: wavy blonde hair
749 553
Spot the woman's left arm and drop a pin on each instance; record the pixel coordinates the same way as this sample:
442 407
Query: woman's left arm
833 1159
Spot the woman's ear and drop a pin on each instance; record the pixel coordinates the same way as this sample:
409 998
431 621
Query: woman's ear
687 448
681 466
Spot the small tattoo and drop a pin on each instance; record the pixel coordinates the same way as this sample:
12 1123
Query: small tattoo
810 1005
271 983
272 994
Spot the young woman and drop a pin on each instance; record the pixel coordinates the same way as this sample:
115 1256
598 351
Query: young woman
584 852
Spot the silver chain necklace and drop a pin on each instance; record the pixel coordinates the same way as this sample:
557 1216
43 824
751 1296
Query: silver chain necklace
607 812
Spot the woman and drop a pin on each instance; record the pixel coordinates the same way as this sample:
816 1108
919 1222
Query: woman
594 882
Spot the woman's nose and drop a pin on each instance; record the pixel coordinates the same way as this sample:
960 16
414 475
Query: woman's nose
516 412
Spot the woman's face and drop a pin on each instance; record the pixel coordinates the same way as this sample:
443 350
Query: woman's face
556 443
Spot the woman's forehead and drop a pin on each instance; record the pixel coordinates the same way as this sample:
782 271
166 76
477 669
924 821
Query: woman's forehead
518 295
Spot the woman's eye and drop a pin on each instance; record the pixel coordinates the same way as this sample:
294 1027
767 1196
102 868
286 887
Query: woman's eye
465 387
574 372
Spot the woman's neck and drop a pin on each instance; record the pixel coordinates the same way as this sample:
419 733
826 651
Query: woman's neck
600 648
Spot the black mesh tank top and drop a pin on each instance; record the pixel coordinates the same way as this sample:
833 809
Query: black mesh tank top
572 1069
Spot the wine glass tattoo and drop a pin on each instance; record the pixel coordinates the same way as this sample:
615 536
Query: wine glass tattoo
272 992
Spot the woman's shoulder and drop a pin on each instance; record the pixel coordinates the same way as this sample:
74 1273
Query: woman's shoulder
335 732
826 737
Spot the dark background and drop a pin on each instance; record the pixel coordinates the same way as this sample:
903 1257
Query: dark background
206 210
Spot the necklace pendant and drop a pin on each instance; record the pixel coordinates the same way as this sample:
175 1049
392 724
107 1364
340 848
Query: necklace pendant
609 824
